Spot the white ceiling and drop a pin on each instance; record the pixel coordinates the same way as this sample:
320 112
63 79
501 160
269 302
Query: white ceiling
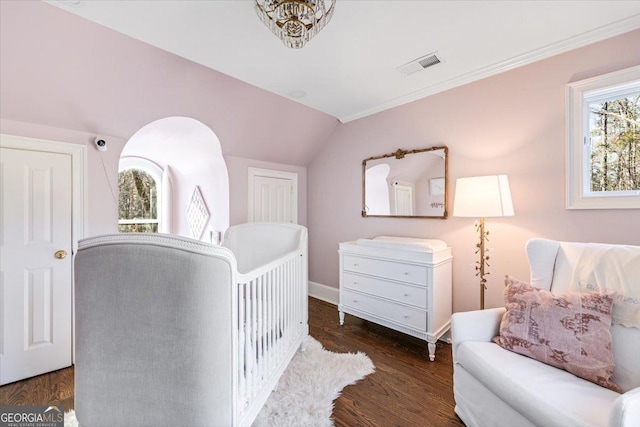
349 69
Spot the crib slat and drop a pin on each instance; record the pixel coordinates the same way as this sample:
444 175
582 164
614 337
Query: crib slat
299 284
254 337
259 283
263 330
247 342
281 331
290 300
241 339
294 295
270 323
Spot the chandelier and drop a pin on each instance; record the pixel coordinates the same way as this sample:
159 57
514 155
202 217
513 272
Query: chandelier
295 22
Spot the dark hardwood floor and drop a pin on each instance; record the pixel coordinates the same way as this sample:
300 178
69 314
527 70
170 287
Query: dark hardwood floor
405 390
54 388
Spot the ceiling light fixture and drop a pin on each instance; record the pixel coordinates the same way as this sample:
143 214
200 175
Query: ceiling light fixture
295 22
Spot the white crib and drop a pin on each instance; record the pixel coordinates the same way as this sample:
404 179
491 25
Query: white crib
272 307
172 331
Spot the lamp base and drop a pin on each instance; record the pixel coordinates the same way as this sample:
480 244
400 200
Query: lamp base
482 262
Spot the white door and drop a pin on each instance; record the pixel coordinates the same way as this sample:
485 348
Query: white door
272 196
404 200
35 286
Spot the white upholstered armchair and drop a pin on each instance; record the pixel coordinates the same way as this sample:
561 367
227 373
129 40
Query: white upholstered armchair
495 387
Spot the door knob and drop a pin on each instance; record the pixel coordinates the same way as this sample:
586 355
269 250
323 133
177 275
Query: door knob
61 254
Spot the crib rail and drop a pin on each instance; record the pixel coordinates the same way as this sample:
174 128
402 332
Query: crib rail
272 320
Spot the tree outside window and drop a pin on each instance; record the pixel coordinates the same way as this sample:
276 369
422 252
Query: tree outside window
141 196
603 141
137 207
614 128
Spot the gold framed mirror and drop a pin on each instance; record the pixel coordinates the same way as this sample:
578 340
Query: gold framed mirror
406 184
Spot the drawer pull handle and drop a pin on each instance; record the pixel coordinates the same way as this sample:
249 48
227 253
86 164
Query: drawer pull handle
406 273
406 295
406 317
355 283
355 265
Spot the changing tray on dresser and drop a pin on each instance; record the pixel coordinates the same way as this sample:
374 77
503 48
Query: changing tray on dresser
398 282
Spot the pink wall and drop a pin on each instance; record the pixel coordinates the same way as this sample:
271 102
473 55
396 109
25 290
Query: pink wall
67 79
511 123
60 70
101 178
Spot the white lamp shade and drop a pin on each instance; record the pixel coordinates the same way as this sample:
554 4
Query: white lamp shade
483 197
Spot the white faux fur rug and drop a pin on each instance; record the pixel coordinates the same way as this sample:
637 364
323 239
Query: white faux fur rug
305 394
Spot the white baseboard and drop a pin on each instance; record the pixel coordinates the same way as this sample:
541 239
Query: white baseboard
323 292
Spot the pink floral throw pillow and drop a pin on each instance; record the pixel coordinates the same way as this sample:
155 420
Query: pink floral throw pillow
569 331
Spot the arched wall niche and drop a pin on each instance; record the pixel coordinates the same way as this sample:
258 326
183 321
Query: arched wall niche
190 155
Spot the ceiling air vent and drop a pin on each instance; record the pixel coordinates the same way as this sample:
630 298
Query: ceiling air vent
419 64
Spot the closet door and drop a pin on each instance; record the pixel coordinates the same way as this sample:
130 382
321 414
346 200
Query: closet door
273 196
35 263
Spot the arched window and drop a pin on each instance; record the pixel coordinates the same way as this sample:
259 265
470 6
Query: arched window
140 204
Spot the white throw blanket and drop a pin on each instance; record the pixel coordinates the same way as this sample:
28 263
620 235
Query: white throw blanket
603 268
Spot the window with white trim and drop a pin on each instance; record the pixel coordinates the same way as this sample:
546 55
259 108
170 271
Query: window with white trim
603 141
140 196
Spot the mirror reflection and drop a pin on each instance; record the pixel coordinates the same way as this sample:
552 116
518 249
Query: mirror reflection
406 183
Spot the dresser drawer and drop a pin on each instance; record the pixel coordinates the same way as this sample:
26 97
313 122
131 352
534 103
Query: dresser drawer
408 316
416 274
406 294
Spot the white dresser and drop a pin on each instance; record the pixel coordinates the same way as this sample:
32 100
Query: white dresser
401 283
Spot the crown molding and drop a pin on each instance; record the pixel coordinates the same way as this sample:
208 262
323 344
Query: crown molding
617 28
